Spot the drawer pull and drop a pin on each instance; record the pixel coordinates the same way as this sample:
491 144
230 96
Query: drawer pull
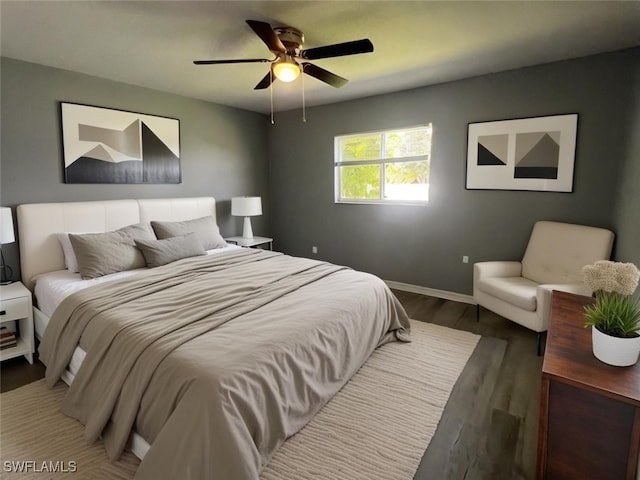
3 312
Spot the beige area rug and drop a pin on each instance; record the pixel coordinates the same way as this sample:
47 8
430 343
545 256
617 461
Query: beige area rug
377 427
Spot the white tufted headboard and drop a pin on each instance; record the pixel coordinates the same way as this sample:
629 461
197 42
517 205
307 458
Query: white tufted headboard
40 250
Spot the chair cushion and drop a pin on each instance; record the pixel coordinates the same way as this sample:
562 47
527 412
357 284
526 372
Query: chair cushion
557 251
518 291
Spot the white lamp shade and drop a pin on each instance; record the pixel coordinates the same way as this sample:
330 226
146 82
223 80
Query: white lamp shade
287 70
246 206
6 226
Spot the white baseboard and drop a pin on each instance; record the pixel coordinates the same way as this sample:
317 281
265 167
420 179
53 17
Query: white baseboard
432 292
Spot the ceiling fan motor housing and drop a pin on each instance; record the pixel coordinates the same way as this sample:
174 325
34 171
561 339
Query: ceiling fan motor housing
292 38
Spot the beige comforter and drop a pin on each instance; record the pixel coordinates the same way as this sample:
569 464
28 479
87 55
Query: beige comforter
216 360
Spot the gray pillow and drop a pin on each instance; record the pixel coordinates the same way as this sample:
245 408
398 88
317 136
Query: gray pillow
205 228
99 254
161 252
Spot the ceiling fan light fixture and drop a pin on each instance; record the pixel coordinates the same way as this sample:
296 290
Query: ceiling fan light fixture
286 69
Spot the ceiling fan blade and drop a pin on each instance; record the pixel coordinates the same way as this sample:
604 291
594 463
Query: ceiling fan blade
265 82
218 62
338 50
324 75
267 35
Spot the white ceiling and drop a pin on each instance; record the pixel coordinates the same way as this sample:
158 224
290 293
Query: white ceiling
153 43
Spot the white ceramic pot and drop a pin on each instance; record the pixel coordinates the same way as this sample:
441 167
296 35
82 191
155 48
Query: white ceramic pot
621 352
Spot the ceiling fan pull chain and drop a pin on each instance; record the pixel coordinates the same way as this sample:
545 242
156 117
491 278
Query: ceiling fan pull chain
304 114
271 94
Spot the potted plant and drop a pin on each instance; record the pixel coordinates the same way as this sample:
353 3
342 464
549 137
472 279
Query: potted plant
614 317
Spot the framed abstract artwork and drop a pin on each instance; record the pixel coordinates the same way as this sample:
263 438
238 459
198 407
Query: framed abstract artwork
102 145
524 154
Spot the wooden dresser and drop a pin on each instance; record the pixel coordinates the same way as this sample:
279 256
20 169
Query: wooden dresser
589 411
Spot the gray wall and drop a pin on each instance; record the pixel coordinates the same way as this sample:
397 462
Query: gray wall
627 219
222 149
424 245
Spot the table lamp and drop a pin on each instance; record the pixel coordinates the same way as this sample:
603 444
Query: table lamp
246 207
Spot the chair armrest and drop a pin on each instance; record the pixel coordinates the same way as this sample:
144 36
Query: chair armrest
497 269
544 293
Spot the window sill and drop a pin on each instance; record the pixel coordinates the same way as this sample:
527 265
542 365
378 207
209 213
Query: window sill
409 203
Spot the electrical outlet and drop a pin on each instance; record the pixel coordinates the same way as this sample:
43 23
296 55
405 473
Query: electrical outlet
465 259
314 249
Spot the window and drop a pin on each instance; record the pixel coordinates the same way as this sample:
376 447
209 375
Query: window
390 166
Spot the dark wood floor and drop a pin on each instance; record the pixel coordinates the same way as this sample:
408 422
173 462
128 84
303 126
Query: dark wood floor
17 372
489 428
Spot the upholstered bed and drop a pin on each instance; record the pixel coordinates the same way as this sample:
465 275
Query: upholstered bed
213 359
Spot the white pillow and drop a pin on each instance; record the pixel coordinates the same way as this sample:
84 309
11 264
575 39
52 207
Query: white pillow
70 260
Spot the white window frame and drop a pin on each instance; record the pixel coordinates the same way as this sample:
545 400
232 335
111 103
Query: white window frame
379 161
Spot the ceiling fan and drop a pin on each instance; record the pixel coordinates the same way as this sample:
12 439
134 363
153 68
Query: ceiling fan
286 43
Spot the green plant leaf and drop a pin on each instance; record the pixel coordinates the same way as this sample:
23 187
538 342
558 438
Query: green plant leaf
614 314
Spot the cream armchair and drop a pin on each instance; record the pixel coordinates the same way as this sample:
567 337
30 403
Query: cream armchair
555 255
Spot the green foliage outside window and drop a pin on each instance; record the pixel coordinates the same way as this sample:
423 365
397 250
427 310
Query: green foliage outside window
360 182
407 172
409 143
365 147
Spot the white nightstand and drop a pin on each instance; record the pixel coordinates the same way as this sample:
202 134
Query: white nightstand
251 242
15 305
